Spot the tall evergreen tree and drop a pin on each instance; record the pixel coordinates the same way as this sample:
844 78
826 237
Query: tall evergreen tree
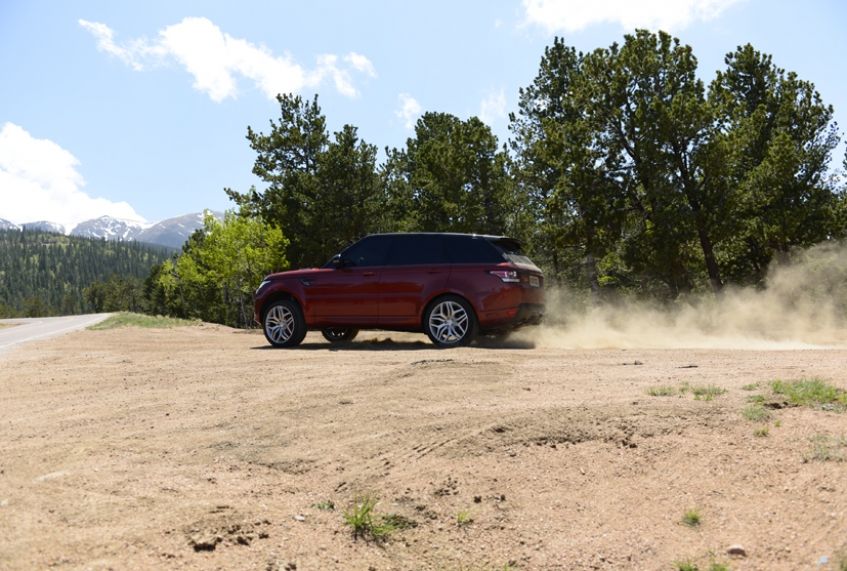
451 176
321 192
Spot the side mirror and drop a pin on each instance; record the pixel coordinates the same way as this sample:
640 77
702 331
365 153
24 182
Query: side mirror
337 262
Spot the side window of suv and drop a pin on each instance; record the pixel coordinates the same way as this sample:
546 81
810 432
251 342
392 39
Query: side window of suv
370 251
472 250
411 249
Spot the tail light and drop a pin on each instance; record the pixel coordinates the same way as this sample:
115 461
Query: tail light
509 276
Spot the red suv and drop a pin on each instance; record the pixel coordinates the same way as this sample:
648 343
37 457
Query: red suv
450 286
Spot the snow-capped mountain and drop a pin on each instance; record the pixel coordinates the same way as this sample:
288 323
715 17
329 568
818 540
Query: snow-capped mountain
173 232
6 225
43 226
108 228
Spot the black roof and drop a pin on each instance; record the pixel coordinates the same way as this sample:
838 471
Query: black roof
486 236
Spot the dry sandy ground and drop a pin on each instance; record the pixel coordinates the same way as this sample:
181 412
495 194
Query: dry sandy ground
200 448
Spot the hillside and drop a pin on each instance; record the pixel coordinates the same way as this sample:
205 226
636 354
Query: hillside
45 273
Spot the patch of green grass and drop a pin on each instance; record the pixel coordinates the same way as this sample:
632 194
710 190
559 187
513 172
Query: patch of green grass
692 518
690 566
326 506
464 518
840 559
707 392
663 391
365 524
750 387
756 398
761 432
826 448
125 319
812 392
756 413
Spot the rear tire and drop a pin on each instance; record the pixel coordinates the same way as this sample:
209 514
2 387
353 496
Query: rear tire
450 322
339 334
283 324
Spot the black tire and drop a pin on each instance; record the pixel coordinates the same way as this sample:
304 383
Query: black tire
283 324
450 322
339 334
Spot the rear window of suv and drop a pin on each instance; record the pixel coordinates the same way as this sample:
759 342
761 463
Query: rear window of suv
512 251
472 250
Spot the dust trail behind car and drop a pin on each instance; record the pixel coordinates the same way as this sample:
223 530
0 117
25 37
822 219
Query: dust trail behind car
802 305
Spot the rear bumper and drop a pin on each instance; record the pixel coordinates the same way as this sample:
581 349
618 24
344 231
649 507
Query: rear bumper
513 318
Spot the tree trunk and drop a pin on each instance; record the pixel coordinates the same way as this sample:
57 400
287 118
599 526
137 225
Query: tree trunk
591 265
709 256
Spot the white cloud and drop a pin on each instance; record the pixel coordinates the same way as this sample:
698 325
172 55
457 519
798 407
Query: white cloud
216 60
39 180
409 110
361 63
575 15
328 67
493 107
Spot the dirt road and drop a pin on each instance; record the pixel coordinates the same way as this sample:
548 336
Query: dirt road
200 448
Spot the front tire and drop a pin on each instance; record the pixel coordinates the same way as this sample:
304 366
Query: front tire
339 334
450 322
283 324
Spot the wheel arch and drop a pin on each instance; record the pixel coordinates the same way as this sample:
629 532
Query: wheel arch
441 295
275 296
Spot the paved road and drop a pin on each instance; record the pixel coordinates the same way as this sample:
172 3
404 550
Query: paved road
32 329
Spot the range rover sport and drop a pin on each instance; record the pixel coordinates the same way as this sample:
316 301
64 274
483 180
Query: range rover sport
450 286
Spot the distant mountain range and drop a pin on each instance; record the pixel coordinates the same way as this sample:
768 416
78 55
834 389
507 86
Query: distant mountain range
172 232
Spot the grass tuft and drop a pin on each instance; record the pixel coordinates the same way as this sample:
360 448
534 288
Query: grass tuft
126 319
365 524
812 392
325 506
690 566
826 448
464 518
692 518
761 432
756 413
750 387
707 392
663 391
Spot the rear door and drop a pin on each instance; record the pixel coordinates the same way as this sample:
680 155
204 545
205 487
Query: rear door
350 295
416 268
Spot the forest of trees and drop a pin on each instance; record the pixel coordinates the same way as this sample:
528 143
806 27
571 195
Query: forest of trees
44 274
624 174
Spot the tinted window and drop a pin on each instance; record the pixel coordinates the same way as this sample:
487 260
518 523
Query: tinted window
370 251
410 249
472 250
513 251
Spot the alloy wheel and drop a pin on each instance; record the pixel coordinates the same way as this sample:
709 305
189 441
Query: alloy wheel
449 322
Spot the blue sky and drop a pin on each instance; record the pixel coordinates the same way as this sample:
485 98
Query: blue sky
139 109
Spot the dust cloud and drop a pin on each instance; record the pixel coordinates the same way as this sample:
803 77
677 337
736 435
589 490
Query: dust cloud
802 306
